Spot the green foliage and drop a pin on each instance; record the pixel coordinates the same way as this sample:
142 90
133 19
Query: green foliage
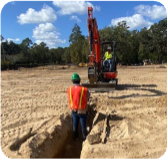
66 56
131 47
39 53
2 38
2 64
158 34
77 44
107 34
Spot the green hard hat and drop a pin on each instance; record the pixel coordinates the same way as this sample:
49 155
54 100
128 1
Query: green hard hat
75 76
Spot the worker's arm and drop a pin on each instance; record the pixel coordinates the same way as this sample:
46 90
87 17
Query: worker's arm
111 56
104 57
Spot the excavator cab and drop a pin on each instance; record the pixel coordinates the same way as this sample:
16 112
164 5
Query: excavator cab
109 74
106 63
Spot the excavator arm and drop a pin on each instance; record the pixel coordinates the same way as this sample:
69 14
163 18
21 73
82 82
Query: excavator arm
94 39
94 47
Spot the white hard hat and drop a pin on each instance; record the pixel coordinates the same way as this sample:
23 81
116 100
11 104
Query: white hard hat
109 47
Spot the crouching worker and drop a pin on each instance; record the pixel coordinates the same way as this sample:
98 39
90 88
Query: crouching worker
78 97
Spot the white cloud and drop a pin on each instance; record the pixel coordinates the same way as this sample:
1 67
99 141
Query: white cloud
17 39
75 18
144 14
133 22
14 40
48 34
46 14
154 12
97 8
70 7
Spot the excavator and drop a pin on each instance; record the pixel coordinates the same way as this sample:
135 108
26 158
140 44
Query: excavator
100 78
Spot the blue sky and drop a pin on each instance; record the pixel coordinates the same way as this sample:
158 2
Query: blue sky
52 21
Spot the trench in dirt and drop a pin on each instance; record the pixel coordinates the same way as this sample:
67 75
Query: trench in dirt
56 141
72 148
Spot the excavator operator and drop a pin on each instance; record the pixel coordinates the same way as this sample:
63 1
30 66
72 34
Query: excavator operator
108 57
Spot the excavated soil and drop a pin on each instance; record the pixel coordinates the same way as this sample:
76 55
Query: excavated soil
36 121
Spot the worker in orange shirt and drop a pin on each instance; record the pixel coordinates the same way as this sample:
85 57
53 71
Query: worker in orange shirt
78 97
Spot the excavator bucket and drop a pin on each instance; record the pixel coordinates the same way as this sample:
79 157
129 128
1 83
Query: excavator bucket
101 86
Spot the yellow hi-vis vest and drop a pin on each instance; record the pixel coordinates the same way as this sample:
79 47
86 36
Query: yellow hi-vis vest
108 55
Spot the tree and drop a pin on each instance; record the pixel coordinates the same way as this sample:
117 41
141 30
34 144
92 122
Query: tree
158 33
40 53
123 24
2 38
43 50
66 56
13 48
85 50
107 34
25 49
145 42
1 52
75 35
1 49
4 47
76 40
27 42
122 37
134 46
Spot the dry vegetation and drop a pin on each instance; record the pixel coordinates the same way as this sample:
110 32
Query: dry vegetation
34 105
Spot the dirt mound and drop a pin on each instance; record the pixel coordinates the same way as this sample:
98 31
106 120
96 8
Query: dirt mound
134 126
48 142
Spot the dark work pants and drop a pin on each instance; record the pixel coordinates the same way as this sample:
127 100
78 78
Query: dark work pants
76 118
108 61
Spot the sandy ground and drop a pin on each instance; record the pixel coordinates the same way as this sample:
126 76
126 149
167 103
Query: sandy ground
35 100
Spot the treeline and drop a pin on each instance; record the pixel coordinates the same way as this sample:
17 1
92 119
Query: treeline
135 46
131 47
28 54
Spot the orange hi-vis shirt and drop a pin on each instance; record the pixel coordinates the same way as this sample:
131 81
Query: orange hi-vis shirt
77 97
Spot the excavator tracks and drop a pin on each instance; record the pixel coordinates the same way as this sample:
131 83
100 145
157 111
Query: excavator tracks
101 86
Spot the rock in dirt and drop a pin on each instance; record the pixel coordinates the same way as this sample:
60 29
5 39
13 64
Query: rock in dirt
94 138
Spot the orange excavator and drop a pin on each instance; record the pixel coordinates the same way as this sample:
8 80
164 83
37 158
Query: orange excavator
99 75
